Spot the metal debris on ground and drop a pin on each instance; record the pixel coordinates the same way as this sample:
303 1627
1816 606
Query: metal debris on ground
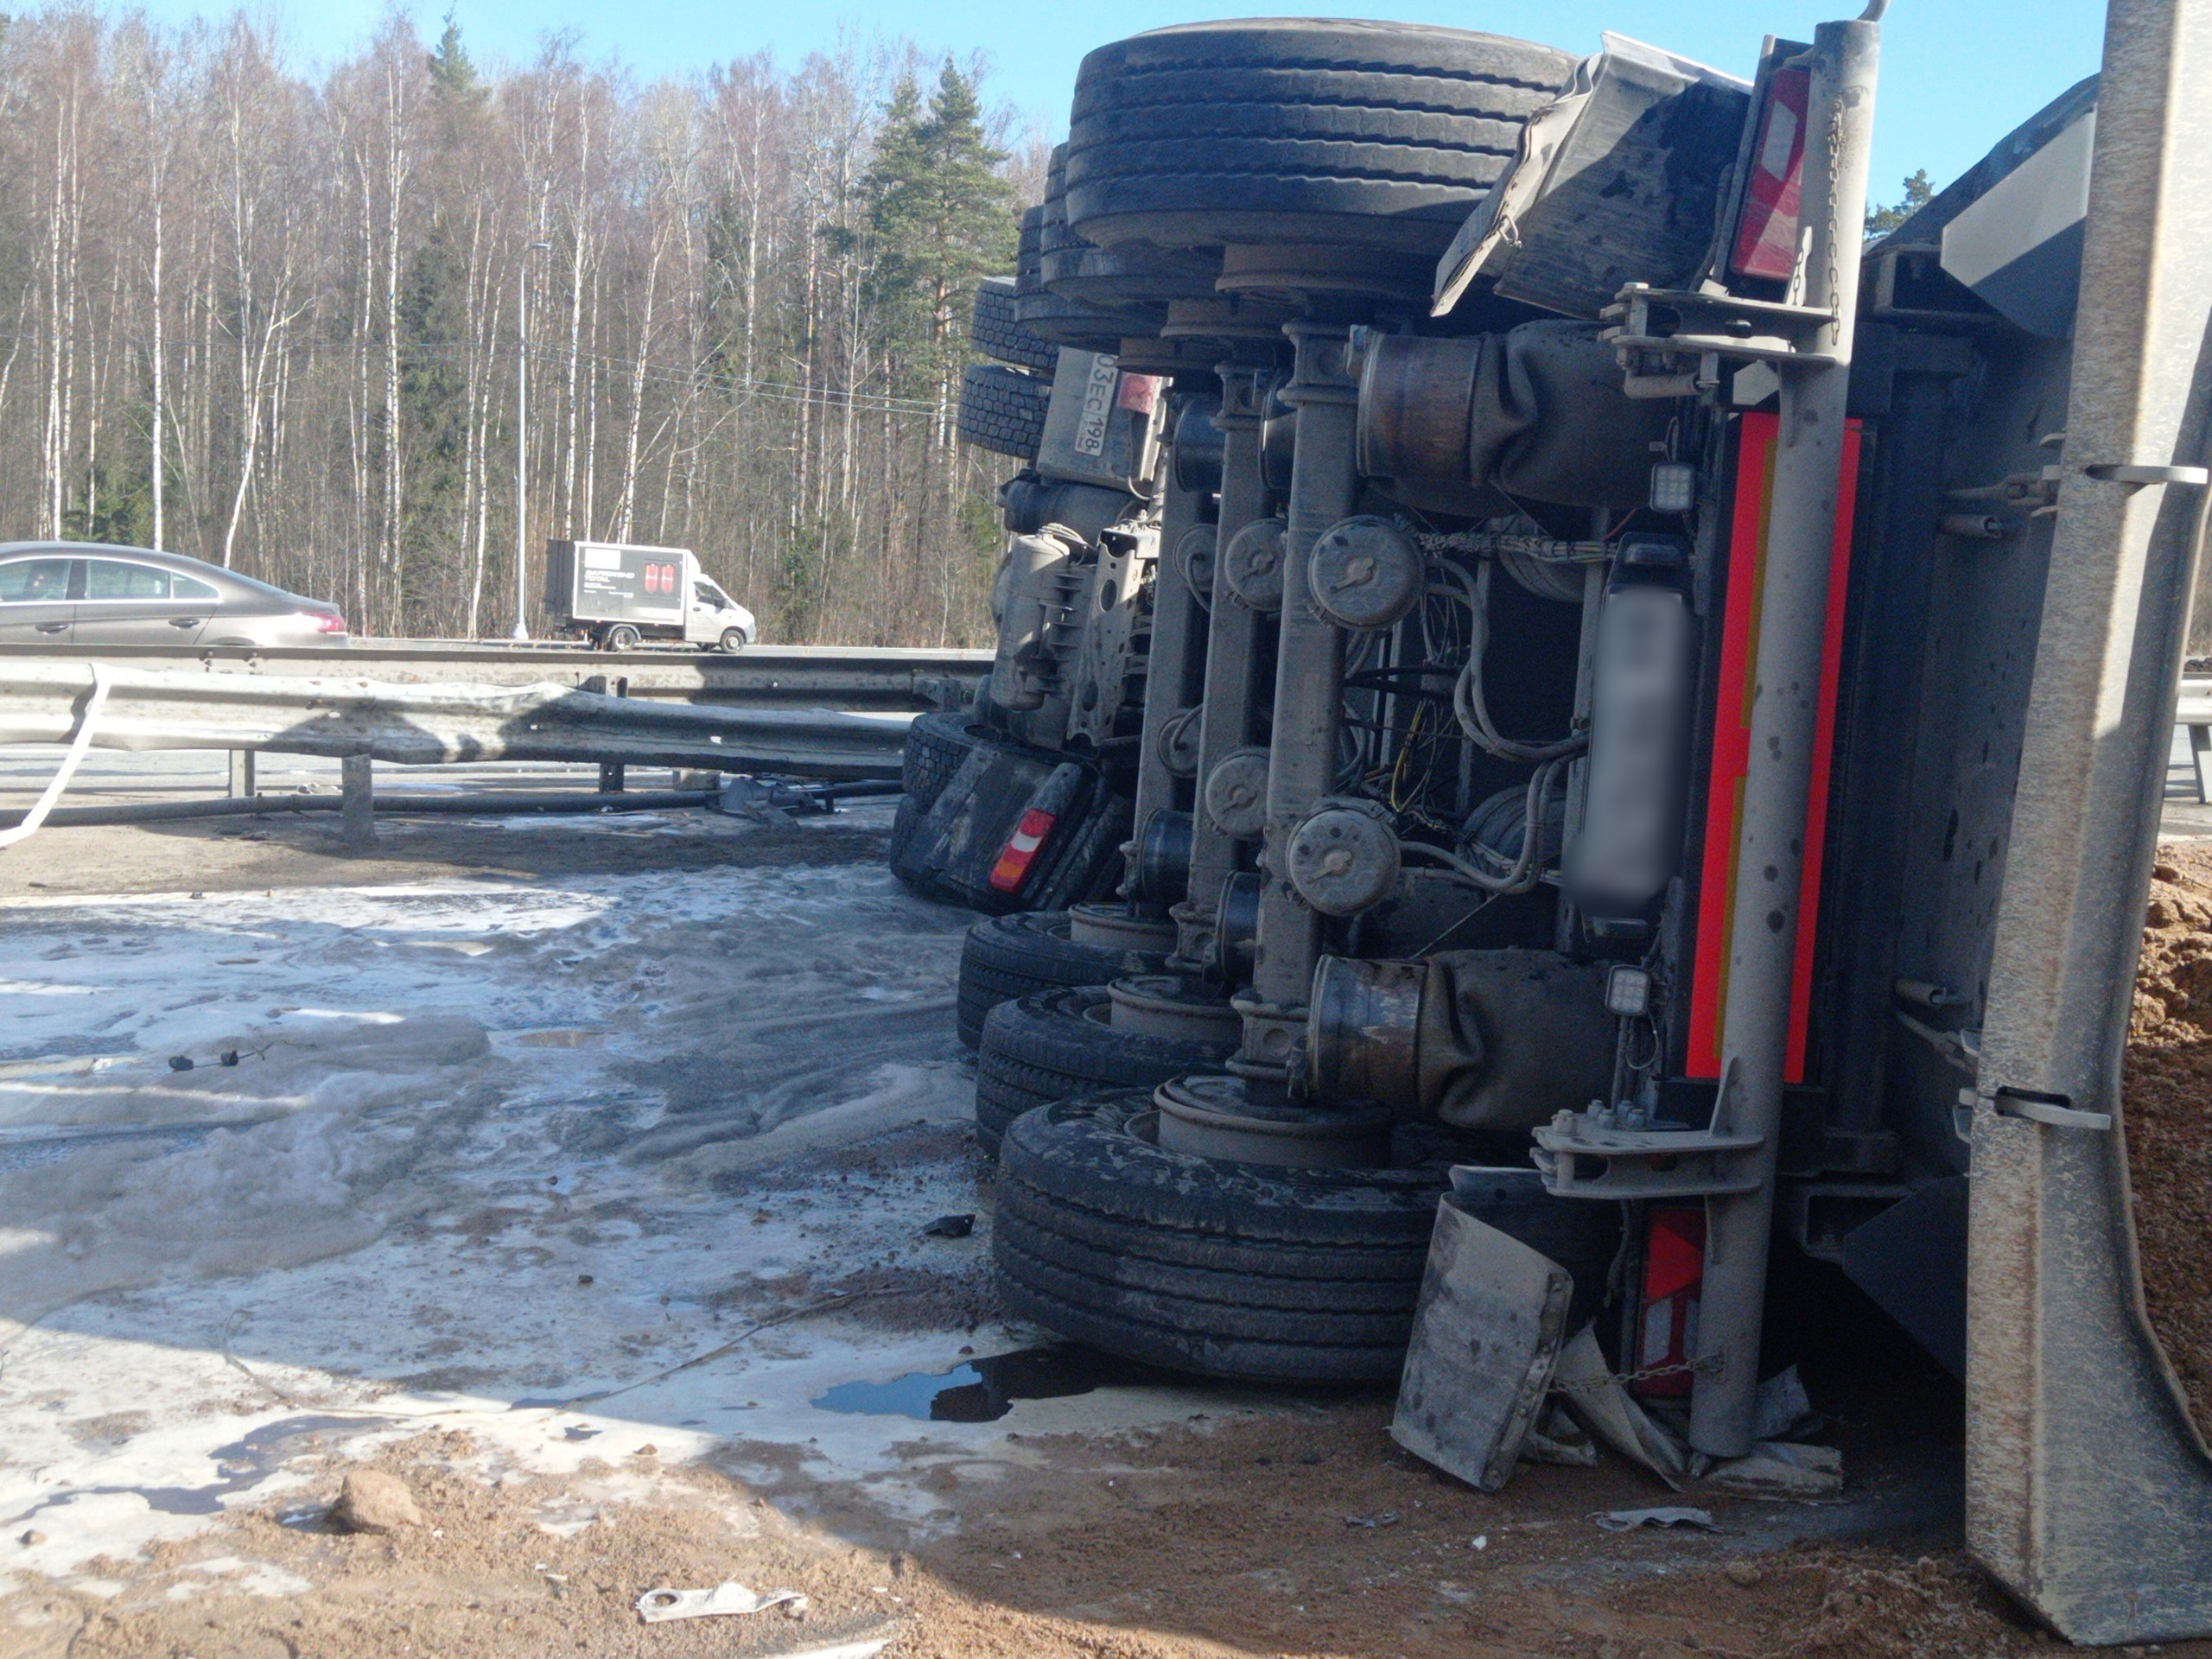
655 1607
1671 1515
949 1227
1387 1518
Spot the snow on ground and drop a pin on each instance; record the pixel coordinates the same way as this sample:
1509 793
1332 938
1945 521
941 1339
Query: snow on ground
493 1155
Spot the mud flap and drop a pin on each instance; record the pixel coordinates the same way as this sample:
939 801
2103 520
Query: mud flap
1487 1331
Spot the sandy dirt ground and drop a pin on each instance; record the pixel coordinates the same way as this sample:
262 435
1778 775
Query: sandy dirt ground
2168 1114
571 1171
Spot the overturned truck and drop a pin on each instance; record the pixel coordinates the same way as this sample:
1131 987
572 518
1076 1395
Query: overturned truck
1639 717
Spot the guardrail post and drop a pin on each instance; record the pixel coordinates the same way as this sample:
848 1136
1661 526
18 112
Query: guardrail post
610 777
357 823
241 782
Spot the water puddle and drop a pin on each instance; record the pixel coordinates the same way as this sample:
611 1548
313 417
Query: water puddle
983 1390
242 1463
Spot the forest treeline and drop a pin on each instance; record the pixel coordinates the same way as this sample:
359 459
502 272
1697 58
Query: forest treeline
277 322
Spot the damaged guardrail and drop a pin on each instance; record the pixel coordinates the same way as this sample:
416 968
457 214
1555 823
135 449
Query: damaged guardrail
44 700
838 676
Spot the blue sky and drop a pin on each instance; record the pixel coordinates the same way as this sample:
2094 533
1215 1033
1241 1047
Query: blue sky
1956 74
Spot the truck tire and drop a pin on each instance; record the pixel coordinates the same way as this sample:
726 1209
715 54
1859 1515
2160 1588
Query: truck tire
1230 1271
733 640
937 745
993 331
622 637
1009 956
1059 1044
1112 279
1301 131
1002 409
1085 328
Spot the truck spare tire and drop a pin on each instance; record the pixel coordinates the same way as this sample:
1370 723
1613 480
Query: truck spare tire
1303 131
1231 1270
1002 409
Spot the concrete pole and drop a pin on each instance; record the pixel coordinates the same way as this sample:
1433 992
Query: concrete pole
357 823
1309 693
1233 638
1793 618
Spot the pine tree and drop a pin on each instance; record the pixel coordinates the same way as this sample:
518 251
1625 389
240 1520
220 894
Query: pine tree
942 216
1918 192
452 72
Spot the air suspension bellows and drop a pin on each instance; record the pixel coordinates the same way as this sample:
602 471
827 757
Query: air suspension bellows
1482 1039
1538 412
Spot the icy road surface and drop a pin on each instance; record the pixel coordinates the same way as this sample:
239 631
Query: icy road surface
493 1155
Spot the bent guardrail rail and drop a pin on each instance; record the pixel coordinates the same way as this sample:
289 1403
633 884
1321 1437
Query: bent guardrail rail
838 676
42 700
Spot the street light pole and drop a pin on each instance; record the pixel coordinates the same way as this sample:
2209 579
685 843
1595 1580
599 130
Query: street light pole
522 440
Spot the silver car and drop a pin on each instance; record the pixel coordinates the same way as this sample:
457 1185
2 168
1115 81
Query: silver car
90 594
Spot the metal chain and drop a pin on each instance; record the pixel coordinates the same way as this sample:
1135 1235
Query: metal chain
1835 158
1705 1367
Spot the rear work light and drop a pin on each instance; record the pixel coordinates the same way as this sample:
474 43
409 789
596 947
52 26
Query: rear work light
1766 233
1021 849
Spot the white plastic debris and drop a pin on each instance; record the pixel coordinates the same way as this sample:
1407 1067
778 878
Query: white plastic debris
1781 1469
1557 1438
1601 1405
657 1606
1780 1406
1671 1516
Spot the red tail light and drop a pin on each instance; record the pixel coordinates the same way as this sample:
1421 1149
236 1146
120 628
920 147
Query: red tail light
332 623
1766 234
1674 1273
1020 850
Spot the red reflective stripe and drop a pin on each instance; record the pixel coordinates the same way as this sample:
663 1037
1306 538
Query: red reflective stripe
1816 800
1732 743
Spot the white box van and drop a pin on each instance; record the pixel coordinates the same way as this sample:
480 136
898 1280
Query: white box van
622 594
